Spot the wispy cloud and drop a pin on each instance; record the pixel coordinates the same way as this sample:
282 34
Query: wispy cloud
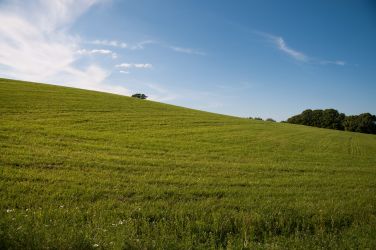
97 52
187 51
338 62
142 44
143 65
36 44
112 43
280 43
134 65
126 67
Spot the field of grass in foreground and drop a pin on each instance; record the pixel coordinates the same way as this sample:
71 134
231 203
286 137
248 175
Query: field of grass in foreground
82 169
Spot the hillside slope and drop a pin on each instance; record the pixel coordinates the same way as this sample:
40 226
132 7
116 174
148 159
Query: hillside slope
82 169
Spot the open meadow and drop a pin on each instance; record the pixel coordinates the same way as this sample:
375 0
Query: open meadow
82 169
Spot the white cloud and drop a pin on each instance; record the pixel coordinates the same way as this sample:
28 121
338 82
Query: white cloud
141 45
112 43
187 51
124 65
338 62
134 65
36 45
281 44
143 65
98 52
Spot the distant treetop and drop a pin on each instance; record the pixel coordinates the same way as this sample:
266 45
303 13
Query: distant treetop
140 96
270 120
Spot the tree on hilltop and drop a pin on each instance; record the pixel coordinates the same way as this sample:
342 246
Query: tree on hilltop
139 96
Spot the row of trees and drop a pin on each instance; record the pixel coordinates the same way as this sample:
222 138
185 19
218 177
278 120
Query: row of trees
327 118
332 119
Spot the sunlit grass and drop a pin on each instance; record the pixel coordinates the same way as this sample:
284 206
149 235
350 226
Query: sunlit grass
82 169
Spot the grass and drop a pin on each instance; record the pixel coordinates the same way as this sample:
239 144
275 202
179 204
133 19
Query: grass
82 169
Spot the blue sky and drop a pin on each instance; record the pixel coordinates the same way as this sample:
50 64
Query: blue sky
242 58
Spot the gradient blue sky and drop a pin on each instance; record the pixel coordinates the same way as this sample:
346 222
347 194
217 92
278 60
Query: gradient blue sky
242 58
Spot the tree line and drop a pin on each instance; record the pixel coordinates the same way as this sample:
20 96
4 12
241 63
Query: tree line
327 118
332 119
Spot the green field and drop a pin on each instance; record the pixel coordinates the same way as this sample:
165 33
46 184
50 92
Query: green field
82 169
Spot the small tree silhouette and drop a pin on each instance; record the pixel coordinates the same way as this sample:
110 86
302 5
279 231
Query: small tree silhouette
140 96
270 120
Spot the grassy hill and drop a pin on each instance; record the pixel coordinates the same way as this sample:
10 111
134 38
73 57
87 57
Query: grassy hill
82 169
